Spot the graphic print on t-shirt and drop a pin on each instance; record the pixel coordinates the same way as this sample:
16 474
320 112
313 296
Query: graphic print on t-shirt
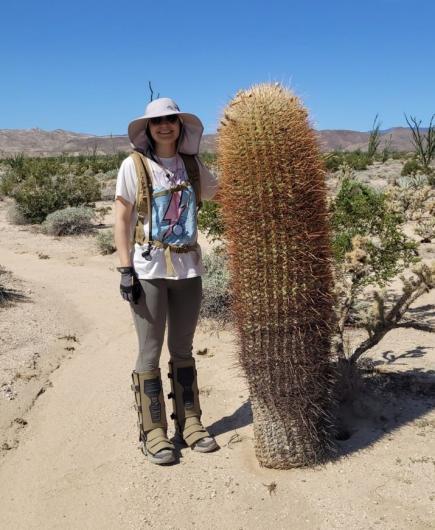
174 216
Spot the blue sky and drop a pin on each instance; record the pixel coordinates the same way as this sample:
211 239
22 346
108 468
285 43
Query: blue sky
85 66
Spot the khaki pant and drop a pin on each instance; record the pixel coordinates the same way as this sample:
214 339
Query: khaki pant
178 302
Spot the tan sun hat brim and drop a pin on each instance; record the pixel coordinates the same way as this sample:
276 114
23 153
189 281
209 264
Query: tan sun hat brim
191 132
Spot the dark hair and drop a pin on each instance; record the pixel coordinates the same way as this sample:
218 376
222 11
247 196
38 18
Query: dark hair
150 138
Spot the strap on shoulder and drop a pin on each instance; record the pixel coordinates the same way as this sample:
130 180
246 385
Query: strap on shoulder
144 186
143 195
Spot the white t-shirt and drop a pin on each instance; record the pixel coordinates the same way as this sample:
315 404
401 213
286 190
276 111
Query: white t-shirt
186 265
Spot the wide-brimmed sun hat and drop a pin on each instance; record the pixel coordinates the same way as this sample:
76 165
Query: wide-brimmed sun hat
191 131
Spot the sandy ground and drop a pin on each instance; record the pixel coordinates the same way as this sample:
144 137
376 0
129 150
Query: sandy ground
70 456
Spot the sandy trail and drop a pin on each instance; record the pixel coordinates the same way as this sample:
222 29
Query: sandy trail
77 465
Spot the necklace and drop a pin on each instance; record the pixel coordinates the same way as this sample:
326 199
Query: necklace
171 174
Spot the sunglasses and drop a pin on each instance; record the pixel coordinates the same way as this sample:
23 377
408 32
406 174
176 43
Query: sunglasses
172 118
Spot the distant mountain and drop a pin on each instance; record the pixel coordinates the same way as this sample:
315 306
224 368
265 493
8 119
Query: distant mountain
398 138
40 142
37 142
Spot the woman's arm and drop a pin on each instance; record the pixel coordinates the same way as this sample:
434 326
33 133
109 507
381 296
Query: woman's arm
209 183
123 213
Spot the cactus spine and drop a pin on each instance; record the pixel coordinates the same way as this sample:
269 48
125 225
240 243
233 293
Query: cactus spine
273 198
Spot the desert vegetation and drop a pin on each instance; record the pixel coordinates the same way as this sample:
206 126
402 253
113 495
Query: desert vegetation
60 193
71 220
41 186
106 242
424 143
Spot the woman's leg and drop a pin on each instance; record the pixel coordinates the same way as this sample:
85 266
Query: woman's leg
149 316
184 303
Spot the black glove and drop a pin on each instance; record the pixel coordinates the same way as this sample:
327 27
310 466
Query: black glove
130 286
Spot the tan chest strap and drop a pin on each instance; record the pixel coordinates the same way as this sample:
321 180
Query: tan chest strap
143 195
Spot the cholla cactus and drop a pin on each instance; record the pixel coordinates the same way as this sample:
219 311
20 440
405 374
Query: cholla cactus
412 202
378 321
348 279
273 198
426 229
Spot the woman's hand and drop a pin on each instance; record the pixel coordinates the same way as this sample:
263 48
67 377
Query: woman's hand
130 286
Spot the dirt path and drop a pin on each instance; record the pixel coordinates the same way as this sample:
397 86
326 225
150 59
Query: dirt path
76 463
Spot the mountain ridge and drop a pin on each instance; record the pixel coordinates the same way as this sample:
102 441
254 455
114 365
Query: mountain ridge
39 142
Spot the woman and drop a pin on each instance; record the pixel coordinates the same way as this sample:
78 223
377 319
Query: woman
158 192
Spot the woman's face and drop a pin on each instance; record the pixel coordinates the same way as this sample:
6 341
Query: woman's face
164 130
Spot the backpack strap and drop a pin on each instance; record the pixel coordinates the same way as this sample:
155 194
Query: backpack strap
192 169
143 196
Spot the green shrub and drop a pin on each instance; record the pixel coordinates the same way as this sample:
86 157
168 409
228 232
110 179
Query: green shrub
215 287
106 242
358 160
333 161
12 178
7 183
360 210
41 186
399 155
69 221
105 163
17 164
355 159
410 167
210 221
20 168
38 196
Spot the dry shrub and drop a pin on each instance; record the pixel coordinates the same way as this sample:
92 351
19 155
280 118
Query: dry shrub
215 287
105 242
69 221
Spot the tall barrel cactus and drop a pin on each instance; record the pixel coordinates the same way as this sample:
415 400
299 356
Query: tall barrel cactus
273 198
